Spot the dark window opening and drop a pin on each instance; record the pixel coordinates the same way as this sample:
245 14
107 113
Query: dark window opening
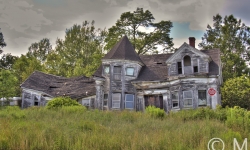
179 67
36 104
105 100
195 68
187 61
202 97
154 100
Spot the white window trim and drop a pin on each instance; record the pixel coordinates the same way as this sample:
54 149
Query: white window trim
188 106
116 100
129 101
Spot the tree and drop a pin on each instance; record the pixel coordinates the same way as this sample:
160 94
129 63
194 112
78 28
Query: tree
40 49
2 43
25 66
131 24
79 53
236 92
8 84
232 37
7 60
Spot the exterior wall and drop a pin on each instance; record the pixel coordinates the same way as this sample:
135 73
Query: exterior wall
33 98
180 86
123 86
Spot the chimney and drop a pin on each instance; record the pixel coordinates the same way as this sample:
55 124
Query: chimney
192 41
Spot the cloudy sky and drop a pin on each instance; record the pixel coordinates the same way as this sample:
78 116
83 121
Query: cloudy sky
23 22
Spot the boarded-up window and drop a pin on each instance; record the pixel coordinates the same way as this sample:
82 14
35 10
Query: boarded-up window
117 72
129 101
116 100
154 100
175 100
188 98
202 97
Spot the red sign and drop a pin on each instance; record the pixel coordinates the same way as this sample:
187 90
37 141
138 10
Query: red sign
211 91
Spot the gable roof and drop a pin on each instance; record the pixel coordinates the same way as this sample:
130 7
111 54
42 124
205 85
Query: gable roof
215 63
182 48
77 87
123 50
155 68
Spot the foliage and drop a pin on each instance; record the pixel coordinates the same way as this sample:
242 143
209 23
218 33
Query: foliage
25 66
79 53
40 128
132 24
236 92
2 43
232 37
40 49
8 84
61 101
7 60
155 112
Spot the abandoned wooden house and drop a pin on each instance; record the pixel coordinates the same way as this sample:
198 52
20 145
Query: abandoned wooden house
188 78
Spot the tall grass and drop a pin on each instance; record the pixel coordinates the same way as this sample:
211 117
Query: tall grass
77 128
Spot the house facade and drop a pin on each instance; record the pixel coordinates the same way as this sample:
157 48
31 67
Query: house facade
188 78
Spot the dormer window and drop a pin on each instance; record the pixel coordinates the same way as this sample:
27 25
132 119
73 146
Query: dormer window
130 71
187 61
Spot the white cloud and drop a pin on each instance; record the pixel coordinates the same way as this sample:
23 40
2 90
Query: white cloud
19 15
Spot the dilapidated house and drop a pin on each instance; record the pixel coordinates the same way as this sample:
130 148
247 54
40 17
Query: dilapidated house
188 78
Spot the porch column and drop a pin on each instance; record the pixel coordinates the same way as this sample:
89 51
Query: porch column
99 94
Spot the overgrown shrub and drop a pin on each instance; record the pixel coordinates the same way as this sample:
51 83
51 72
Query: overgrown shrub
59 102
155 112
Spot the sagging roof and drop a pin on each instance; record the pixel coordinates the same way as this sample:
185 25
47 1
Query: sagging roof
214 54
123 50
76 88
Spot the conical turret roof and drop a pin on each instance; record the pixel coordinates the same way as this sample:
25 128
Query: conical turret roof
123 50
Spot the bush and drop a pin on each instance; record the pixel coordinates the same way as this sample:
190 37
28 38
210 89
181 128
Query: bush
59 102
155 112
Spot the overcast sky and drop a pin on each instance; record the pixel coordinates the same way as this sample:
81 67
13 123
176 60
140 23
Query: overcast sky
23 22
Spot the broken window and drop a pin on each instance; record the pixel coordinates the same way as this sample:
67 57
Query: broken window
179 67
129 101
188 98
175 100
202 97
116 100
117 72
86 102
105 100
106 69
130 71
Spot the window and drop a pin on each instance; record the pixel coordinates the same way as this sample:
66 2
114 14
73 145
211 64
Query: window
105 100
202 97
188 98
106 69
175 100
85 102
130 71
195 69
179 67
117 72
129 101
187 61
116 99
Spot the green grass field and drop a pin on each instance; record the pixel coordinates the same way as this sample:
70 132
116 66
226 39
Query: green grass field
76 128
